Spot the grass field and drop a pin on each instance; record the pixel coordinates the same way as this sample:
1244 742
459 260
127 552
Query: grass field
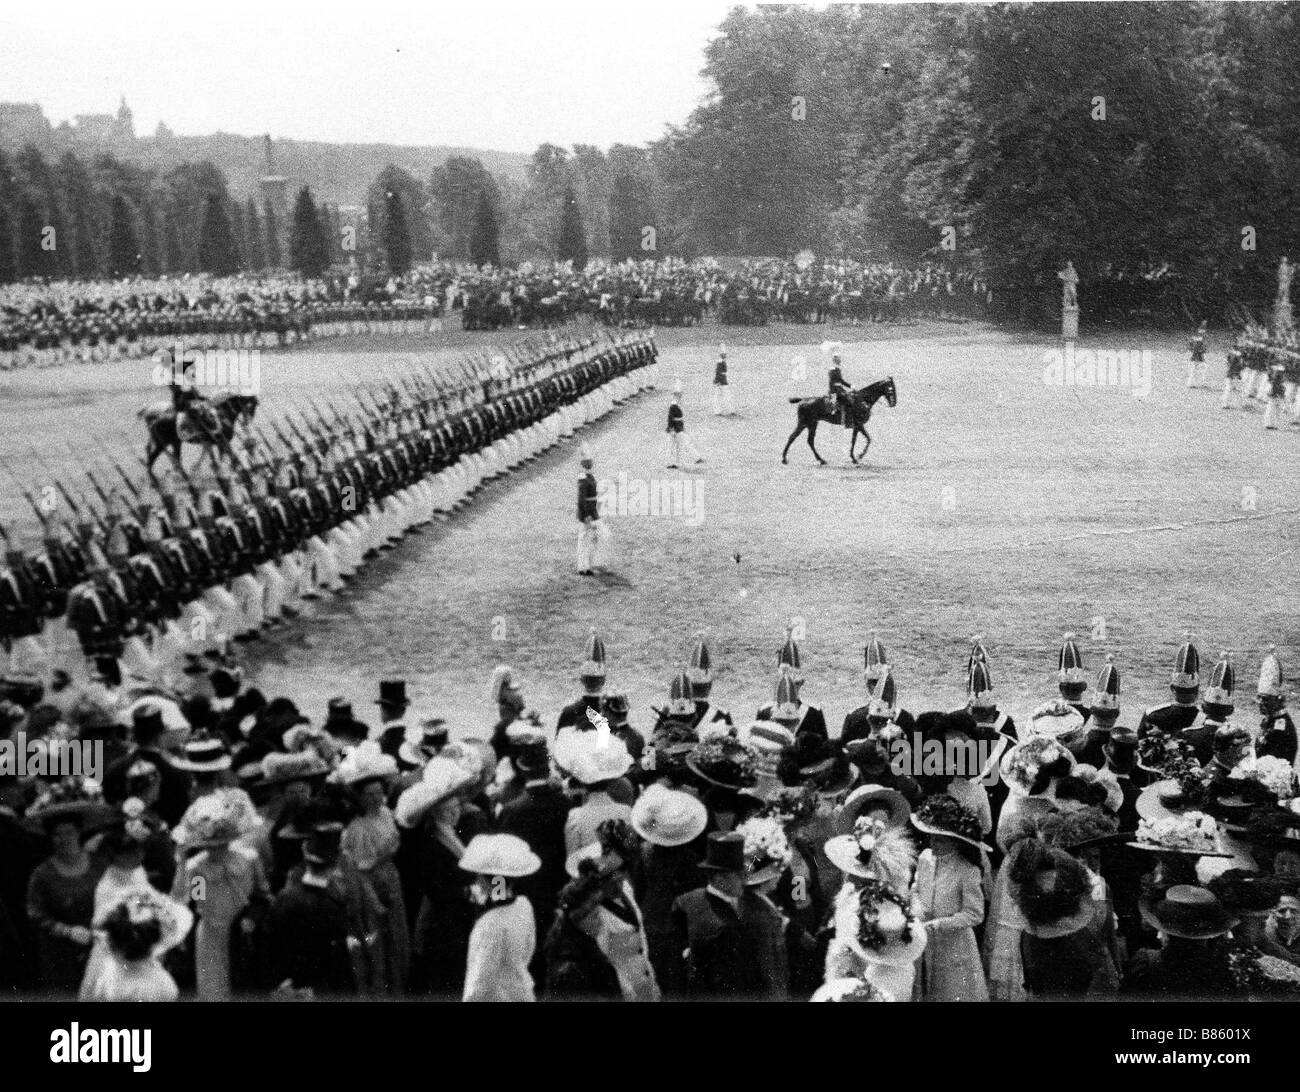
990 502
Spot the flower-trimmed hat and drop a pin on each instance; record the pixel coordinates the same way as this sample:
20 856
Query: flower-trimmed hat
877 925
139 906
850 989
1023 762
279 768
216 819
1055 720
725 762
867 798
944 817
767 850
597 759
78 800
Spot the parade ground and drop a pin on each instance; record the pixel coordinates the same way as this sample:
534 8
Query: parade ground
997 498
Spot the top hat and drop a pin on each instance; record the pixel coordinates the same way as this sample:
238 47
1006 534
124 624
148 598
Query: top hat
324 844
392 694
725 853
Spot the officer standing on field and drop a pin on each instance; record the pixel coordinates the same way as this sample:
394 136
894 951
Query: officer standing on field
589 526
722 404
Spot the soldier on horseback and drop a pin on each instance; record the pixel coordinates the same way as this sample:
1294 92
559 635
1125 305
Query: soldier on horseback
839 391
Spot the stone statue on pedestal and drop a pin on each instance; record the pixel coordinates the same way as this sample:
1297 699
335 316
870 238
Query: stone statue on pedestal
1283 319
1069 301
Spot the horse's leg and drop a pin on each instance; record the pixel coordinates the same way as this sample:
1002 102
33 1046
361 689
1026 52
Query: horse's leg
812 435
798 428
853 439
867 435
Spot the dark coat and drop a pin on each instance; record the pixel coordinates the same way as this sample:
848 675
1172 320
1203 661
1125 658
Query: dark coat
173 792
665 873
717 964
576 968
537 816
307 933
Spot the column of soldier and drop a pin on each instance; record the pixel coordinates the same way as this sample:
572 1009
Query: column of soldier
951 855
1262 367
145 585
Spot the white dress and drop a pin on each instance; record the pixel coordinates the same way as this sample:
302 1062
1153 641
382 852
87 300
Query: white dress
501 945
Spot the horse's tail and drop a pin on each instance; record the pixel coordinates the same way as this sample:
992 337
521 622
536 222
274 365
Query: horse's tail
795 399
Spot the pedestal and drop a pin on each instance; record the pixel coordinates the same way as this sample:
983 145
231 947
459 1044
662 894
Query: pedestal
1283 319
1069 323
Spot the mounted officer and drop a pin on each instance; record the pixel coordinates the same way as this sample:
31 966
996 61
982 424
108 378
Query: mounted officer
839 391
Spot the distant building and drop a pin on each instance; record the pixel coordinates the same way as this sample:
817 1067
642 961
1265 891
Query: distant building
102 128
125 121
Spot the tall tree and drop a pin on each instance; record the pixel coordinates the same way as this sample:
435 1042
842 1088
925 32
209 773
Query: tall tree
8 261
124 257
218 253
485 240
308 248
397 233
571 243
454 187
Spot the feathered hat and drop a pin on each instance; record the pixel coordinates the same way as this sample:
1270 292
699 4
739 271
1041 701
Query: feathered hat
1070 661
593 664
1187 666
1106 696
876 659
1270 675
1223 680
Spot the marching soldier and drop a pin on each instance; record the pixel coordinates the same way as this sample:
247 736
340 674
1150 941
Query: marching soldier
1174 717
677 438
982 705
1196 369
1233 380
590 525
21 618
1274 386
722 404
95 615
1277 734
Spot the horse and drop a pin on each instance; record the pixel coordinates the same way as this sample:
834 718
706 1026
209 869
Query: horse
810 411
209 422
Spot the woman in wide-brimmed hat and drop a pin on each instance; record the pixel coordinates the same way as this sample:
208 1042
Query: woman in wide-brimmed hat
504 938
949 895
1031 771
595 761
371 839
874 842
1067 944
138 928
431 811
61 889
1192 964
671 823
1259 962
877 938
229 877
597 946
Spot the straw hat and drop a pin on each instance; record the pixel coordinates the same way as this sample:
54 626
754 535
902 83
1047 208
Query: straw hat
1055 720
668 817
850 989
442 779
366 763
1187 911
869 798
500 855
279 768
595 759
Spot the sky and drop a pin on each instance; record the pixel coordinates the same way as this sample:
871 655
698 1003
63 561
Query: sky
479 73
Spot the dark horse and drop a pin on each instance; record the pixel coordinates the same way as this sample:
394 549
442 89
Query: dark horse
210 422
813 410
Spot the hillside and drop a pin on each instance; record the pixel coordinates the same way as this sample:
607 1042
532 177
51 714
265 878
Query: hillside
337 173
